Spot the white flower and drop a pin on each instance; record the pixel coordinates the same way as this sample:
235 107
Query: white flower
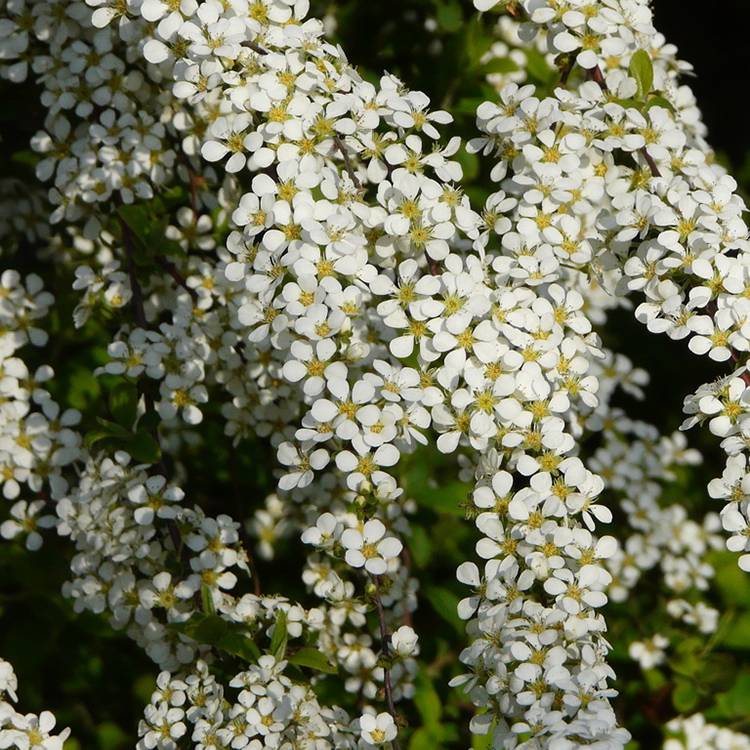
8 681
404 641
153 501
370 548
24 521
377 730
300 464
649 653
324 533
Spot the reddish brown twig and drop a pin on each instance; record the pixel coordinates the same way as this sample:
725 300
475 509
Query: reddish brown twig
385 648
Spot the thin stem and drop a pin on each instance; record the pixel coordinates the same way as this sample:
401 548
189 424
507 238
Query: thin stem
347 161
255 47
178 278
254 572
386 651
135 286
516 11
140 318
597 76
239 347
567 69
651 163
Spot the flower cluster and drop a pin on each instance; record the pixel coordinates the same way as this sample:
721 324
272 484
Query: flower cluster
695 733
24 730
259 708
667 218
278 243
37 439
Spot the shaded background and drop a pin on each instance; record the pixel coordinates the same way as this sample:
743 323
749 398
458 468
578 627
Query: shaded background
713 36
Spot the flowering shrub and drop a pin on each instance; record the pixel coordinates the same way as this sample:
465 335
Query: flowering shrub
286 349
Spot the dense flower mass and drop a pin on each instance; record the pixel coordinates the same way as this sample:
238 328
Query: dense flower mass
24 730
277 244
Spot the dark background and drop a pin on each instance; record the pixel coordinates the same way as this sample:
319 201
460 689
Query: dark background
713 37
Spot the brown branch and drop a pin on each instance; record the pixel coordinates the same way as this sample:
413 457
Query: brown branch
178 278
596 75
239 347
516 11
651 163
196 181
386 652
566 70
255 47
140 318
253 572
135 287
347 161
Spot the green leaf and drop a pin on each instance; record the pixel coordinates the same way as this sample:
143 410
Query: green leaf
685 696
737 634
449 15
424 739
499 65
239 644
143 448
207 601
467 105
654 679
313 659
147 223
427 701
280 635
734 703
420 546
110 736
659 101
642 69
687 659
469 164
84 389
731 581
27 158
481 741
123 403
93 437
445 603
629 103
476 41
113 429
213 630
538 68
445 499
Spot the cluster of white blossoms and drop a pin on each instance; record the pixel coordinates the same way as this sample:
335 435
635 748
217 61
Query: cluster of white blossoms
613 172
357 306
259 708
37 439
695 733
154 564
24 730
